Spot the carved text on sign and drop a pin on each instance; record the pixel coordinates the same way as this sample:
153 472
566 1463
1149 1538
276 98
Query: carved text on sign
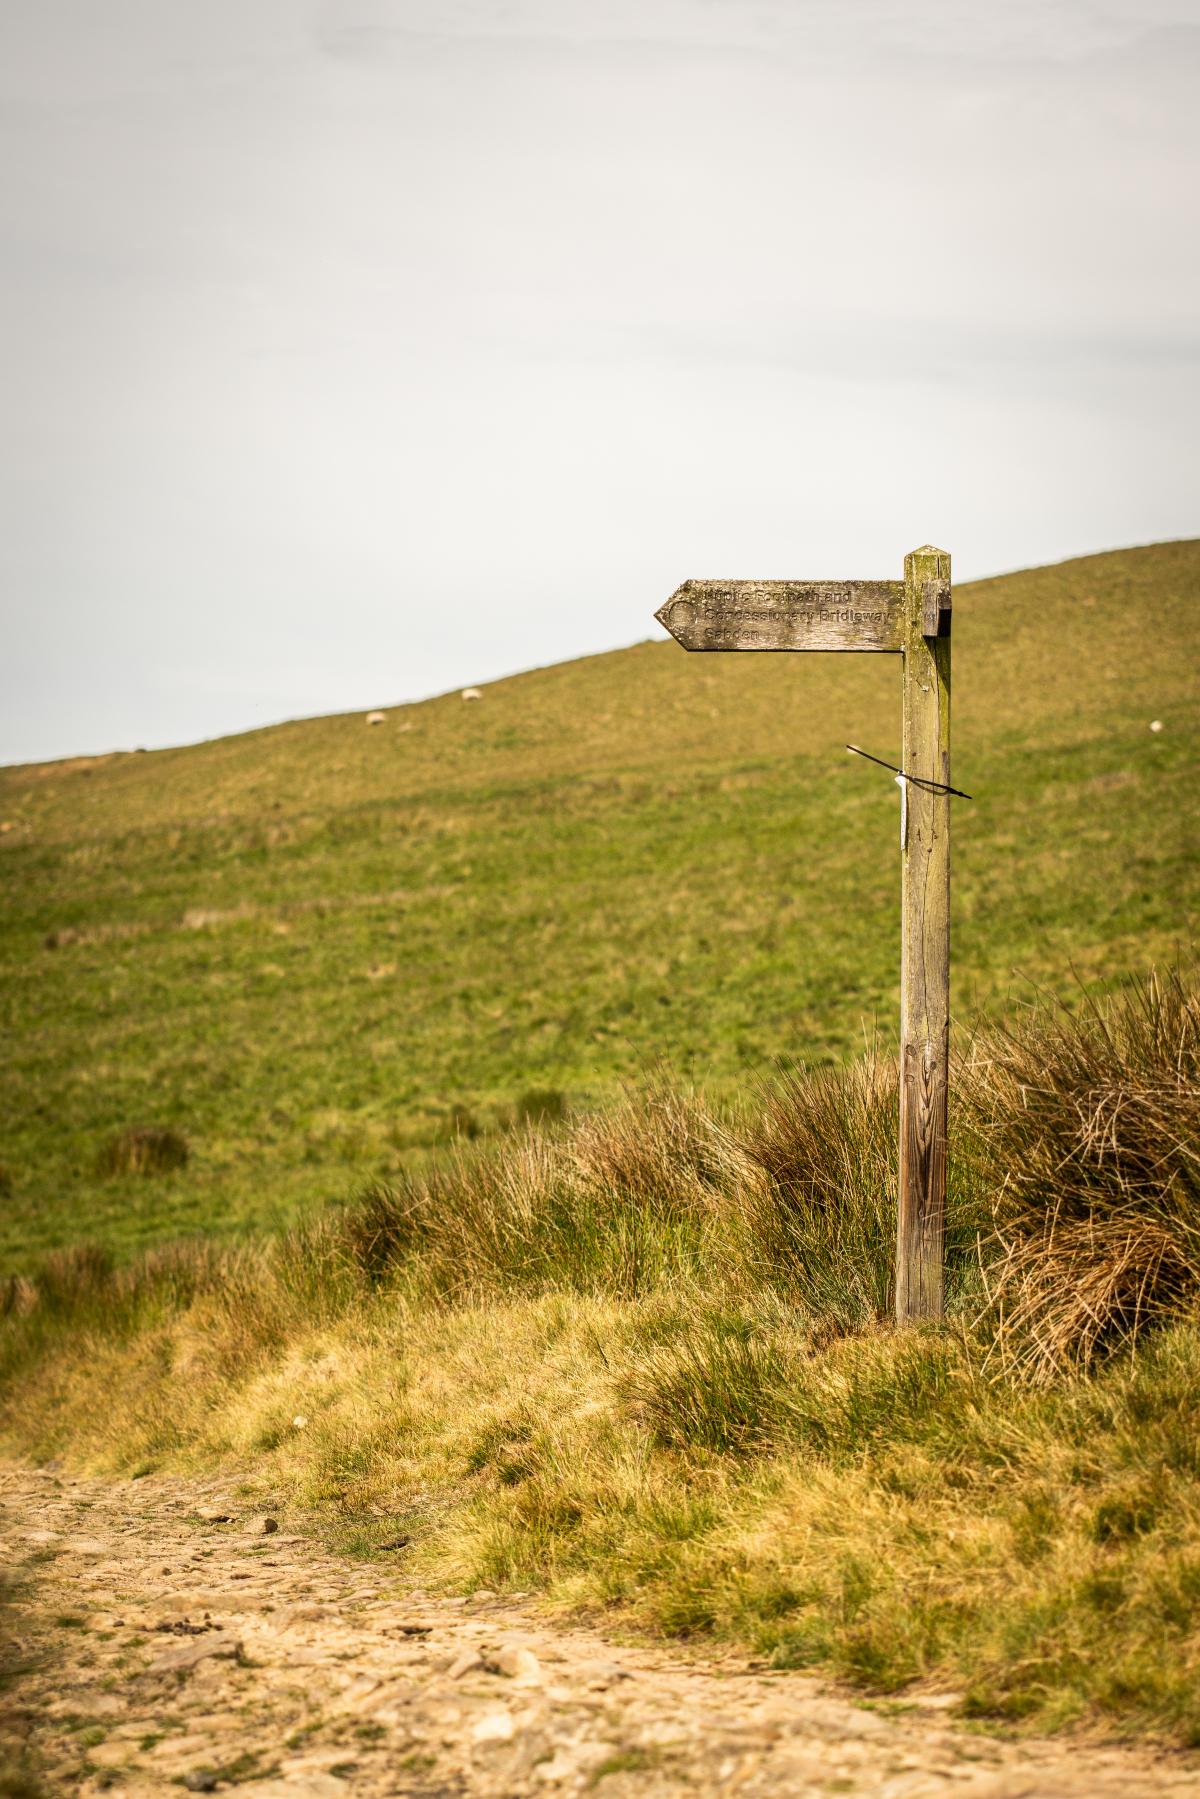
786 615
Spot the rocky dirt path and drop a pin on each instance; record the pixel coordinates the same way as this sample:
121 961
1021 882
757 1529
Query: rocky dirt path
160 1639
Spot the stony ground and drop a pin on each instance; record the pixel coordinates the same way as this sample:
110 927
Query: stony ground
159 1638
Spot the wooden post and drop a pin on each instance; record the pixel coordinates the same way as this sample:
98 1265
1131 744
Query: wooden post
925 937
884 617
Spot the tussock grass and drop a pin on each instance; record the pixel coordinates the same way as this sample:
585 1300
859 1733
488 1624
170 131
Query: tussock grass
142 1149
615 1203
1084 1131
826 1141
824 1220
642 1359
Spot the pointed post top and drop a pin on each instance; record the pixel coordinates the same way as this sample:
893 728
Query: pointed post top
929 553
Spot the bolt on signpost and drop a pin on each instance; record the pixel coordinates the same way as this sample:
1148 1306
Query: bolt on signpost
909 618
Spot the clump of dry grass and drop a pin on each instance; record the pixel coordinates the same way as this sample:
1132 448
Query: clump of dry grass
83 1288
824 1218
143 1149
823 1221
615 1202
1085 1130
1074 1201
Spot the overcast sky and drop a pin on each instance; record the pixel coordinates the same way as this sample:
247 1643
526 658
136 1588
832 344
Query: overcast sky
354 350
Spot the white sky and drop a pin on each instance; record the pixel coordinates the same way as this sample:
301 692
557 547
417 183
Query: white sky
353 350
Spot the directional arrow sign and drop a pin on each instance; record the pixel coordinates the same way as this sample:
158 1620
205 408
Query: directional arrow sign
786 615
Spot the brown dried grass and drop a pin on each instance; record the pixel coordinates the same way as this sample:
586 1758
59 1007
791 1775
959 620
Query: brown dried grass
1084 1128
1073 1219
143 1149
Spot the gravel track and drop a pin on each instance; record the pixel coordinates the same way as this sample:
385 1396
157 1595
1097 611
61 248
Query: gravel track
161 1639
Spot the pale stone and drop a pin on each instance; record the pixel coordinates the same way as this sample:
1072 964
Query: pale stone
185 1656
570 1760
110 1754
518 1664
603 1673
357 1692
180 1748
493 1727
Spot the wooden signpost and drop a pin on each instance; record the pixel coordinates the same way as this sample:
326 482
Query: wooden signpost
909 618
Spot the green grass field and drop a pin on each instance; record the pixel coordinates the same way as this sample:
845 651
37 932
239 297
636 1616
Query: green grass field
319 949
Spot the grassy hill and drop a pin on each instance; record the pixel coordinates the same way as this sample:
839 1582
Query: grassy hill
318 949
642 1363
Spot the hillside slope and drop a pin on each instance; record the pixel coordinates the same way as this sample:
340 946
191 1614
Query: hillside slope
319 948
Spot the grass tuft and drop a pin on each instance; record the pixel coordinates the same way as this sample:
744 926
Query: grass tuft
826 1141
142 1149
1085 1130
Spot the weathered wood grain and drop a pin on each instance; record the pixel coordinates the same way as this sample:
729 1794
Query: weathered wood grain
925 938
786 615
